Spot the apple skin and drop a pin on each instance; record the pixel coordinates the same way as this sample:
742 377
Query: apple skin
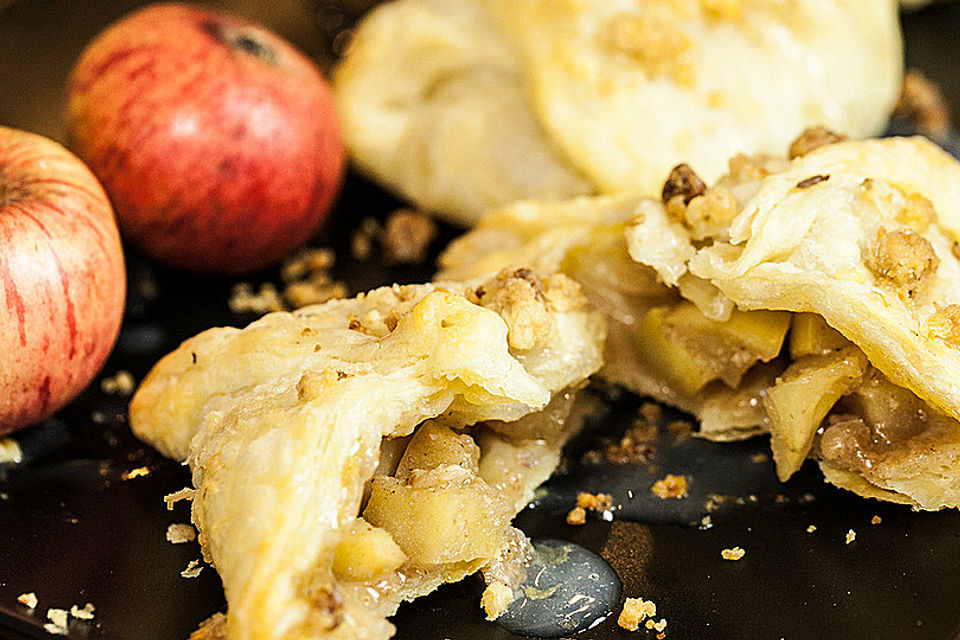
215 139
62 278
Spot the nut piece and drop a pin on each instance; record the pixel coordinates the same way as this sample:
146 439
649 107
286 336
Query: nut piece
905 259
813 138
682 182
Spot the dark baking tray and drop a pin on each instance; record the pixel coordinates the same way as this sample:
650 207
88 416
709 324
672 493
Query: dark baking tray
74 530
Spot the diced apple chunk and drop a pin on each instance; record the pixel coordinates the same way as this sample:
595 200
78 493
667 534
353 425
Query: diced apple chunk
366 552
434 445
810 335
690 350
444 515
801 399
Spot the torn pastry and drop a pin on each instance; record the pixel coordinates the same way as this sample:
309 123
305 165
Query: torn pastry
352 455
469 105
818 299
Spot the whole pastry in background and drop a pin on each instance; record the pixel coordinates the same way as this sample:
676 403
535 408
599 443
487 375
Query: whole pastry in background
467 105
355 454
817 299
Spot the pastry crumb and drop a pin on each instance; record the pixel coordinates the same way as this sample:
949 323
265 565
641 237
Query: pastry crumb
670 487
577 516
876 520
85 613
29 600
495 599
51 628
758 458
850 537
634 611
733 554
193 569
58 618
181 533
121 383
10 451
594 502
139 472
811 528
186 493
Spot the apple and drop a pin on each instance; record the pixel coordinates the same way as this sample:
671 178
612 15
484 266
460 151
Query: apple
215 139
62 280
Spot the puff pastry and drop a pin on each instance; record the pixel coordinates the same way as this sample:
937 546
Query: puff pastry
852 245
336 469
466 105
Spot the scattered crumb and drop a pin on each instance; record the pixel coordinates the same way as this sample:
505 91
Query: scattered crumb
307 278
139 472
10 451
183 494
193 569
594 502
86 613
811 528
851 536
634 611
495 599
680 429
706 522
636 446
29 600
660 625
876 520
243 299
307 262
361 243
49 627
122 383
781 498
406 237
922 103
180 533
758 458
651 412
671 486
58 617
577 516
732 554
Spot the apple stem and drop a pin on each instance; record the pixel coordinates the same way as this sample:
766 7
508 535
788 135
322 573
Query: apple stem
239 40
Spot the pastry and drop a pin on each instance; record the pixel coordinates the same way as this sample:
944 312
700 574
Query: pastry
352 455
815 298
467 105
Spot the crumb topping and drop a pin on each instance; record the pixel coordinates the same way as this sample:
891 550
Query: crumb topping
670 487
903 258
682 183
519 297
944 324
813 138
918 213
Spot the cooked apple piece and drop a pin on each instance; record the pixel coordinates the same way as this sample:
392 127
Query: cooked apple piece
729 414
434 445
690 349
440 516
811 335
801 399
366 552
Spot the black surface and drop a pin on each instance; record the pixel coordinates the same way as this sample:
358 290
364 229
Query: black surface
73 530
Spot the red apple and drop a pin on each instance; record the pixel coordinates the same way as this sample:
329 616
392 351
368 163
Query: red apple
215 139
62 282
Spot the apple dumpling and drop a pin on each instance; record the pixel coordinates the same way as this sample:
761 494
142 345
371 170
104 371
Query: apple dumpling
352 455
469 105
817 298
